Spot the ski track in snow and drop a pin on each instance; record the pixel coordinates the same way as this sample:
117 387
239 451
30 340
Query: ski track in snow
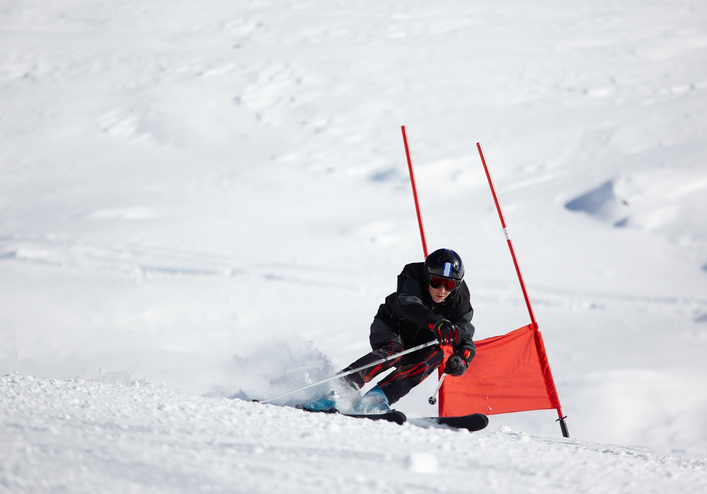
146 261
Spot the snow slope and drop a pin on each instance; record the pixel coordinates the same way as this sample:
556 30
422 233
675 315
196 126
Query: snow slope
211 198
78 436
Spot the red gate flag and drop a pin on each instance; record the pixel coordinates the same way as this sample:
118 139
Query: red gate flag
508 374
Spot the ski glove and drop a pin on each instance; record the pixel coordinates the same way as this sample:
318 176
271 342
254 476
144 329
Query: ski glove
447 332
455 366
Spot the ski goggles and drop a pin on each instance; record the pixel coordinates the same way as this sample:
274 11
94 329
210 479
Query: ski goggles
438 282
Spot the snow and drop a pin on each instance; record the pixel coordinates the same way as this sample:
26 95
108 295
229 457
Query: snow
85 436
203 200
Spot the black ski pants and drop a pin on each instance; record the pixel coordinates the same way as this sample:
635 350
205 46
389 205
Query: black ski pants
410 370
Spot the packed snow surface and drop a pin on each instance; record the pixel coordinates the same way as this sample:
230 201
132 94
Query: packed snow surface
205 202
79 436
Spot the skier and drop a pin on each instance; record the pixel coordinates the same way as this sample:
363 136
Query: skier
432 301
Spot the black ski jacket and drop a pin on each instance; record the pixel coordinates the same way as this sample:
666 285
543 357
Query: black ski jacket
410 311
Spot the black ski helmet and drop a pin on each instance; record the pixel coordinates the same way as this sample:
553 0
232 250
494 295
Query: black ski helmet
445 263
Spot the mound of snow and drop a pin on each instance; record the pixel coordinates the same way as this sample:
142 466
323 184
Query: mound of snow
602 203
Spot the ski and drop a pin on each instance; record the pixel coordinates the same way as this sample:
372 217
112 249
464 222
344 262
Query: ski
391 416
473 422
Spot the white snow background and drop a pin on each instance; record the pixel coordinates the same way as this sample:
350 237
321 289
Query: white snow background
203 200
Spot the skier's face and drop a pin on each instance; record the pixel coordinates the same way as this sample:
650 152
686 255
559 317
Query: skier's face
438 294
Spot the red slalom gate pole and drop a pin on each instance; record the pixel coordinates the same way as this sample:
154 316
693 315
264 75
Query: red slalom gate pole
545 365
508 238
414 193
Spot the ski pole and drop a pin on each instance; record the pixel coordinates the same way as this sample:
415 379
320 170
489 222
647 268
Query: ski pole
353 371
433 399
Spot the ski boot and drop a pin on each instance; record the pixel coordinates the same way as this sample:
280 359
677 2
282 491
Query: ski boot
375 401
326 404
